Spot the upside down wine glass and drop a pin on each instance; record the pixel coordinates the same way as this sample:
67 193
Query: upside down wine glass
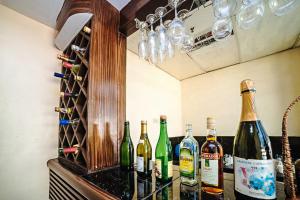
142 46
176 29
282 7
224 8
162 36
152 41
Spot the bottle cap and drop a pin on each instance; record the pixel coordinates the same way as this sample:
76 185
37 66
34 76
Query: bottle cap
143 122
211 123
126 123
163 117
188 126
247 85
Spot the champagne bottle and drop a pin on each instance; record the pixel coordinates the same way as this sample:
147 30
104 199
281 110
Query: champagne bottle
68 94
67 76
189 158
212 181
126 150
63 110
254 171
75 149
87 30
163 154
144 153
73 67
64 122
65 58
78 49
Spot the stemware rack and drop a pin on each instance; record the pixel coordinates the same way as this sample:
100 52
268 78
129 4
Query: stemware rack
73 134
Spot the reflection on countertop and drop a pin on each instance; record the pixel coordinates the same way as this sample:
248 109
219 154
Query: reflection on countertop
127 185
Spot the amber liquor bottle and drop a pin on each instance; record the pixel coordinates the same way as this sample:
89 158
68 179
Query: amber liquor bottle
212 185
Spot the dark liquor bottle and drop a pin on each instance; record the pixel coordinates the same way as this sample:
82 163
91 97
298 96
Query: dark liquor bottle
67 76
144 153
72 67
212 181
63 110
126 150
163 154
68 94
65 58
254 171
87 30
78 49
64 122
75 149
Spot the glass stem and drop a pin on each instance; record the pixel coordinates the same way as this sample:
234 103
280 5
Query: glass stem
175 6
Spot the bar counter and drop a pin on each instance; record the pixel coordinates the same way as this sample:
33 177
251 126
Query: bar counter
114 183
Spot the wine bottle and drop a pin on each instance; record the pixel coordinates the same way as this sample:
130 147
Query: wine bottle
189 158
212 181
68 94
73 67
64 122
78 49
163 154
86 30
63 110
67 76
65 58
75 149
126 150
254 171
144 153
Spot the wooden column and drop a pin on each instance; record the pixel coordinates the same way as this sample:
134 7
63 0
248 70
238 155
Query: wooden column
106 93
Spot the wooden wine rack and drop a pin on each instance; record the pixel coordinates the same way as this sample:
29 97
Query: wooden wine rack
70 135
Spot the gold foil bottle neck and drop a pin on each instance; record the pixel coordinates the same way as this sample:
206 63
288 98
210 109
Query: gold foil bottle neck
211 123
247 85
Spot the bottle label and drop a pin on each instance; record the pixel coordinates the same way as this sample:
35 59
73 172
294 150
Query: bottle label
140 164
170 169
150 165
158 168
186 163
210 168
255 178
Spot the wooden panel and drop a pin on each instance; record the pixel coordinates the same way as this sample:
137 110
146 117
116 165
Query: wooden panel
65 184
106 92
71 7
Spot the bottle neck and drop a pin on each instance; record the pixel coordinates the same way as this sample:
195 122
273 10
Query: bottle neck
248 107
163 130
211 134
189 132
143 131
126 131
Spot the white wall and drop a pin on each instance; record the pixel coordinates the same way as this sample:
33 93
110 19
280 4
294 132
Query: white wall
217 94
151 92
28 125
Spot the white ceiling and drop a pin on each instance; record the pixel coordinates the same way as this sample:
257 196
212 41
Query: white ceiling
46 11
272 35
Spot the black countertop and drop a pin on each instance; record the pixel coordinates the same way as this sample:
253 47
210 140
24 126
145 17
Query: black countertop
127 185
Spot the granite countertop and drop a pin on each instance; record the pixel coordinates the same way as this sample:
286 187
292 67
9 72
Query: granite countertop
127 185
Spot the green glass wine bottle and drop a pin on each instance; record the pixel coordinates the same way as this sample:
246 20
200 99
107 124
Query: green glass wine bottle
163 154
126 150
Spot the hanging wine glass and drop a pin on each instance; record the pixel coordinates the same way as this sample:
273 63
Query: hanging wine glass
188 39
224 8
282 7
152 40
176 29
162 36
250 13
222 28
170 46
142 46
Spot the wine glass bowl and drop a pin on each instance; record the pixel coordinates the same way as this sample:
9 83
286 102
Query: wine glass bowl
282 7
224 8
222 28
142 46
162 35
250 13
176 29
152 40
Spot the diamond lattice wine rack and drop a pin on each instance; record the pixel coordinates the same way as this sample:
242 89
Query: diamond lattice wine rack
75 134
